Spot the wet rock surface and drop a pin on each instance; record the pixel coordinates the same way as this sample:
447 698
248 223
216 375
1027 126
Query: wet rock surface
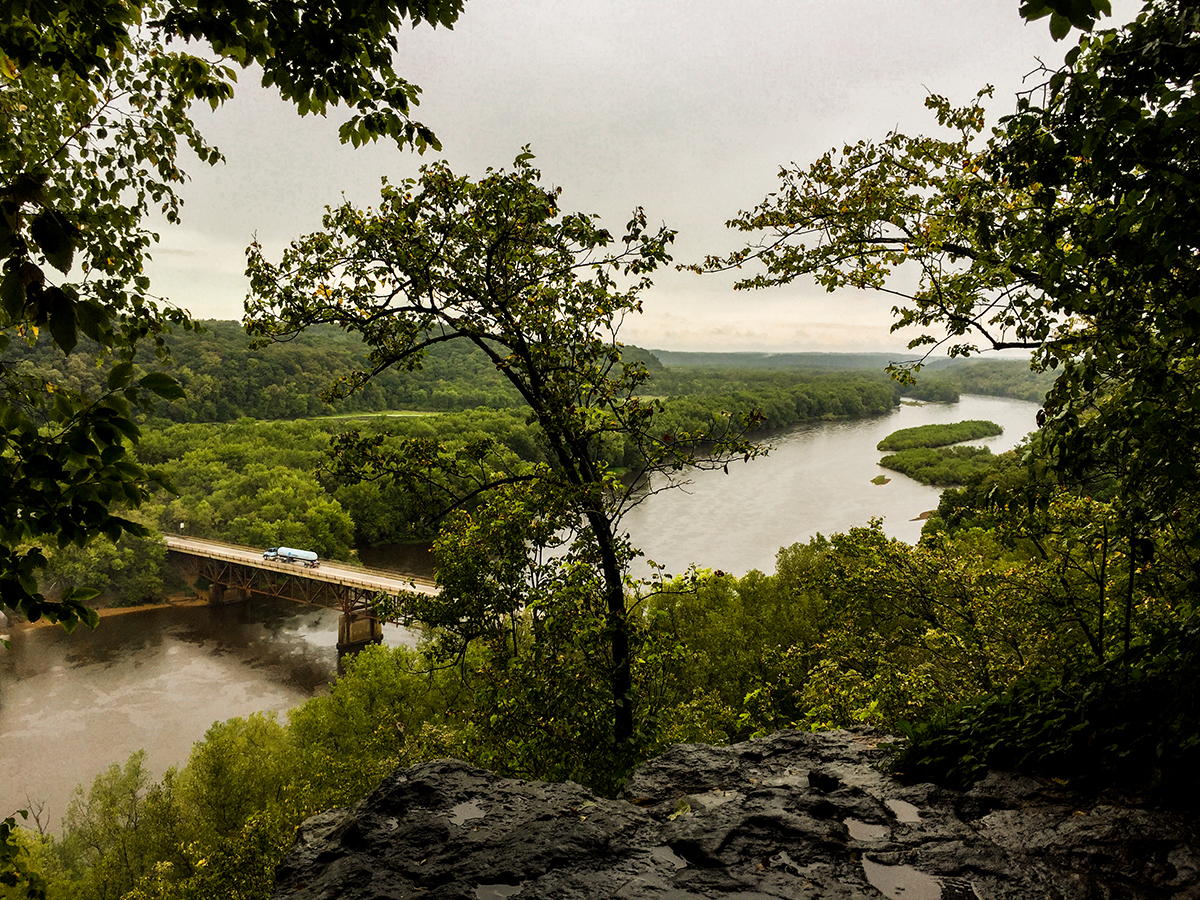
793 815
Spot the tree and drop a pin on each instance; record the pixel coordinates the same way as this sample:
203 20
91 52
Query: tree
94 103
542 294
93 106
116 831
1066 231
1066 14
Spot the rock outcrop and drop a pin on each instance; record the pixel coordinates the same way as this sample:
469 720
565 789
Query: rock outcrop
793 815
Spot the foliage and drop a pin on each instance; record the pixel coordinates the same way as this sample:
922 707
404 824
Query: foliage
115 831
127 572
391 708
95 109
860 628
1131 725
1065 232
242 766
250 483
782 406
940 466
494 263
225 379
734 635
939 435
998 378
77 180
1065 14
16 870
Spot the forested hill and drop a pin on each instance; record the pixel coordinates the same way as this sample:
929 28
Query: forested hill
940 379
875 362
225 379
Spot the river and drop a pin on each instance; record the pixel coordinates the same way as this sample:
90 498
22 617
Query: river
157 679
815 479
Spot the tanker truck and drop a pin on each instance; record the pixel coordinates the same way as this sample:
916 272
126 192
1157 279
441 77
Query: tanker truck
291 555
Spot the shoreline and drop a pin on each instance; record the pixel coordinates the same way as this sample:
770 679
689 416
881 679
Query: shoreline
110 611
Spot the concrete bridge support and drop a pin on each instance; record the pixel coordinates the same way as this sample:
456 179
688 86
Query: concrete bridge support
219 594
356 631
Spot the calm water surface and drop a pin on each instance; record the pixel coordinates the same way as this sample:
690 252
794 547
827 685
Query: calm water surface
817 478
71 704
157 679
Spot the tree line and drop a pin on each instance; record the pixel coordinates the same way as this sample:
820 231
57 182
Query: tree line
225 378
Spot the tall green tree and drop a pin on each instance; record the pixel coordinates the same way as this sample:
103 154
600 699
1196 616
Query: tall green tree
542 294
1066 230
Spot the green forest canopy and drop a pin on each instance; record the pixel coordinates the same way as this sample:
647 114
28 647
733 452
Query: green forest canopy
939 435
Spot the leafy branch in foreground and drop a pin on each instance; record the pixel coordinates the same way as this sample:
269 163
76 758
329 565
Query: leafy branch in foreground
1067 230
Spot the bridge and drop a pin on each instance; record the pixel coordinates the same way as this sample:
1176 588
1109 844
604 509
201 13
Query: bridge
235 572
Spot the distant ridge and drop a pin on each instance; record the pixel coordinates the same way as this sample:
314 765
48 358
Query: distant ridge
872 361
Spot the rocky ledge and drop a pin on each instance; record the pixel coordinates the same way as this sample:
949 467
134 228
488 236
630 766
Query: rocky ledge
793 815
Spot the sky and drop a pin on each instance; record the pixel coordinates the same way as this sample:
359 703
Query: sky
687 108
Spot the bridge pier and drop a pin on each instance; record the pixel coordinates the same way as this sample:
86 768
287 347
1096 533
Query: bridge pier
219 594
355 632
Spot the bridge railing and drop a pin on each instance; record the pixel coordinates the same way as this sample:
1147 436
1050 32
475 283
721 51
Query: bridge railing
219 550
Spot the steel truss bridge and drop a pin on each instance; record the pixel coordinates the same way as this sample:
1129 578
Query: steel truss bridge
235 572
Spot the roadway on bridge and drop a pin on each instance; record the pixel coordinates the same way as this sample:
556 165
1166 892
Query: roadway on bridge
328 571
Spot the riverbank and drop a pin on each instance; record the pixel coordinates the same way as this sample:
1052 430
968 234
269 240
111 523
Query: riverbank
180 601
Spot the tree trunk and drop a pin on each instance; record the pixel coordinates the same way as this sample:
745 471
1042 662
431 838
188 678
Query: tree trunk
618 628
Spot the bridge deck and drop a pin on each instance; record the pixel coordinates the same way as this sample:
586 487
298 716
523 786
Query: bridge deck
359 578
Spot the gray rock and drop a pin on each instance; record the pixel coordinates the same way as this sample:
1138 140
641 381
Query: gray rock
793 815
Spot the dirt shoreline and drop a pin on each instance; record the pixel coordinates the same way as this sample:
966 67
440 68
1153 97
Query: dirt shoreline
106 612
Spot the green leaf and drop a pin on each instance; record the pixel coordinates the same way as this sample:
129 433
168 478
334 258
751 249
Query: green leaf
12 295
53 235
119 375
1060 26
61 313
164 385
91 319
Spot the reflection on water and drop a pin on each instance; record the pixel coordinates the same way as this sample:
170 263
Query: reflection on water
153 679
411 559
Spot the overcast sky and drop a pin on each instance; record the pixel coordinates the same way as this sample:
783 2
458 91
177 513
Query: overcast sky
685 107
